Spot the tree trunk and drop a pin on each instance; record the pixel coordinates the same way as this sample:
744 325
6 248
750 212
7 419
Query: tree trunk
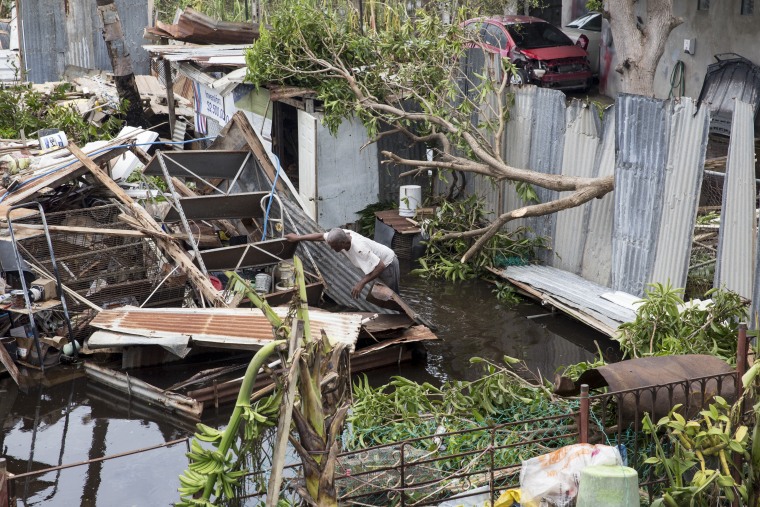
123 75
640 43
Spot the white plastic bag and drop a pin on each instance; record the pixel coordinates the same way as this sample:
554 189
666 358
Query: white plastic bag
552 479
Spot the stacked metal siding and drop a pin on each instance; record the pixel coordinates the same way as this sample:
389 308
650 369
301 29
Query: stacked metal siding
736 243
582 139
642 128
546 150
597 254
683 181
573 291
57 34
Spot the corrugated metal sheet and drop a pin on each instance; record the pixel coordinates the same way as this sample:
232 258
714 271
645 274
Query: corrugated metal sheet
222 326
517 144
389 179
582 297
732 78
597 254
582 139
546 150
642 128
57 34
683 180
339 274
649 371
736 257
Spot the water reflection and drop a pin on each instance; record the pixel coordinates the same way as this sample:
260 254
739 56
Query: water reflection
471 322
65 419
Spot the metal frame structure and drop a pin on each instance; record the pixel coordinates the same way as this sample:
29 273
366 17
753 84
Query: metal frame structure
25 289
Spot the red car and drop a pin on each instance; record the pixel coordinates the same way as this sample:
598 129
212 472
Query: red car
542 54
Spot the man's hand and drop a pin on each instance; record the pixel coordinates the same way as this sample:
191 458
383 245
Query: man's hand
292 237
357 289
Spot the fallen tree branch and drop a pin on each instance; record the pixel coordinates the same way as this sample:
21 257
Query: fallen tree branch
600 187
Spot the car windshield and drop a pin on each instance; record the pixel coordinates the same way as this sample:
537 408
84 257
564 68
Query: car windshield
537 35
592 22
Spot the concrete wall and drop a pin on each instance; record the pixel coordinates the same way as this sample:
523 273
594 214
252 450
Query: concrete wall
721 29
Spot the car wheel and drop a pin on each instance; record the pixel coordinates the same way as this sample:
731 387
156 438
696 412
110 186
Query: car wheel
519 78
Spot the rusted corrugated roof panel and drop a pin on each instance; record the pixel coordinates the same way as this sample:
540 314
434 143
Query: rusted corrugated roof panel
655 371
233 327
597 254
546 150
641 129
571 294
683 180
194 26
736 258
582 139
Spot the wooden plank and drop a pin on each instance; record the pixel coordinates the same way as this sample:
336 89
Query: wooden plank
286 416
10 366
171 249
84 230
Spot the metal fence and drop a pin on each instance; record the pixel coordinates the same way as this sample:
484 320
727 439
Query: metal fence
432 469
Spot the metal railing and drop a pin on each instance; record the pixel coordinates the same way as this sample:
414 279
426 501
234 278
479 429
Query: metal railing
430 469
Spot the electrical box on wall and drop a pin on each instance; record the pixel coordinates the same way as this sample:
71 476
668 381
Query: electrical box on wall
689 46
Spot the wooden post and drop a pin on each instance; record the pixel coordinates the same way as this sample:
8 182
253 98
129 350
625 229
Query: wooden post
123 74
4 494
286 416
169 94
583 427
171 249
741 350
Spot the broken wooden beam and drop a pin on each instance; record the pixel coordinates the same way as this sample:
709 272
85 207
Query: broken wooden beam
170 248
7 361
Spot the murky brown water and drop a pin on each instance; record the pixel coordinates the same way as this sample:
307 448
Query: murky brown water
68 421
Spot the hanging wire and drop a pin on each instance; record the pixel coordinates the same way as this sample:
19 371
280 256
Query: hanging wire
271 198
677 80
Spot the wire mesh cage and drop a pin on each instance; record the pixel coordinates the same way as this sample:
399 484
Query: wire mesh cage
106 269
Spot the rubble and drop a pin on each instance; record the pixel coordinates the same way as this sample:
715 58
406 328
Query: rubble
127 249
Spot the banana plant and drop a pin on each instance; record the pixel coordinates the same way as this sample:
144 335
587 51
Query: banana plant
324 398
323 392
702 448
211 470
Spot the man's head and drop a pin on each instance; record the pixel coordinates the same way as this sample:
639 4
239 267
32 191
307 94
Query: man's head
338 240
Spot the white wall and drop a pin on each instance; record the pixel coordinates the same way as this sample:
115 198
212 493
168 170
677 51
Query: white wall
721 29
347 178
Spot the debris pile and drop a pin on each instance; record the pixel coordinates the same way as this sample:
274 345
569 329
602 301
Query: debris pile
128 253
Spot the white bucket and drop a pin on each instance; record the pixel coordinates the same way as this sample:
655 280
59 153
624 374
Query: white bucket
409 200
57 140
263 282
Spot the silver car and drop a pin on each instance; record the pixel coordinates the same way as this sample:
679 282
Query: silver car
588 26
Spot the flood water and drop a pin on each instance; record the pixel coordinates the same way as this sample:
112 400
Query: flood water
67 420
